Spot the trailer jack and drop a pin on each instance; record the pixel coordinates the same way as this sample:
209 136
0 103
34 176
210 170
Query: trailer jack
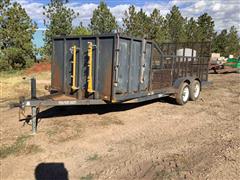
34 109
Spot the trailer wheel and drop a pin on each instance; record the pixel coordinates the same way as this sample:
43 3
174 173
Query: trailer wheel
195 89
215 70
183 94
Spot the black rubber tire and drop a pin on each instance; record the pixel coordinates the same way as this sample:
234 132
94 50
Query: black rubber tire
192 90
179 97
215 71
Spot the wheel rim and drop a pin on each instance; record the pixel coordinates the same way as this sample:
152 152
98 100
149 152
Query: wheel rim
196 90
185 94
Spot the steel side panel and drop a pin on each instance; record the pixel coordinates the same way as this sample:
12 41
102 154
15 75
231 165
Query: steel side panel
124 53
130 66
135 67
57 68
145 84
104 88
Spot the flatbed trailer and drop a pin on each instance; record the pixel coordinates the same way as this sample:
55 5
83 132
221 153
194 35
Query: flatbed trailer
109 69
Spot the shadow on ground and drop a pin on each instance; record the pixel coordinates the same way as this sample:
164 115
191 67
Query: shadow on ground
223 72
51 171
59 111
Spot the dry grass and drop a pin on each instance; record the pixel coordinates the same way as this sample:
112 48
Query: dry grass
87 177
19 147
16 84
93 157
64 131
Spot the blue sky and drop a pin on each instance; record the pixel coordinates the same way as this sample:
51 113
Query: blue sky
224 12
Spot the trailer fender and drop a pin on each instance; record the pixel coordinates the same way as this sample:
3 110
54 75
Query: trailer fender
178 82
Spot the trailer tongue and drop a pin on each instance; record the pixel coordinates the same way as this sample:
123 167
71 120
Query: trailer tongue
109 69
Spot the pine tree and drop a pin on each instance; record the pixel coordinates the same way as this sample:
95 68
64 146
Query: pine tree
157 28
129 20
220 42
16 32
143 24
102 20
175 25
58 22
136 23
191 30
233 46
80 30
205 27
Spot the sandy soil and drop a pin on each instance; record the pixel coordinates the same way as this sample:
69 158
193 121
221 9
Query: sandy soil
153 140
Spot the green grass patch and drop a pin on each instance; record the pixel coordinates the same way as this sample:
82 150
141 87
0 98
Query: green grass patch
93 157
51 132
87 177
32 149
111 120
14 148
18 147
110 149
64 131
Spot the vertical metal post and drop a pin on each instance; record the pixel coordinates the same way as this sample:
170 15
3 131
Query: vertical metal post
117 61
130 66
90 64
96 82
74 68
192 46
34 119
184 62
143 65
33 88
65 69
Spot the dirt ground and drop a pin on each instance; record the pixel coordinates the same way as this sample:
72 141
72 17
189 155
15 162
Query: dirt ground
152 140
